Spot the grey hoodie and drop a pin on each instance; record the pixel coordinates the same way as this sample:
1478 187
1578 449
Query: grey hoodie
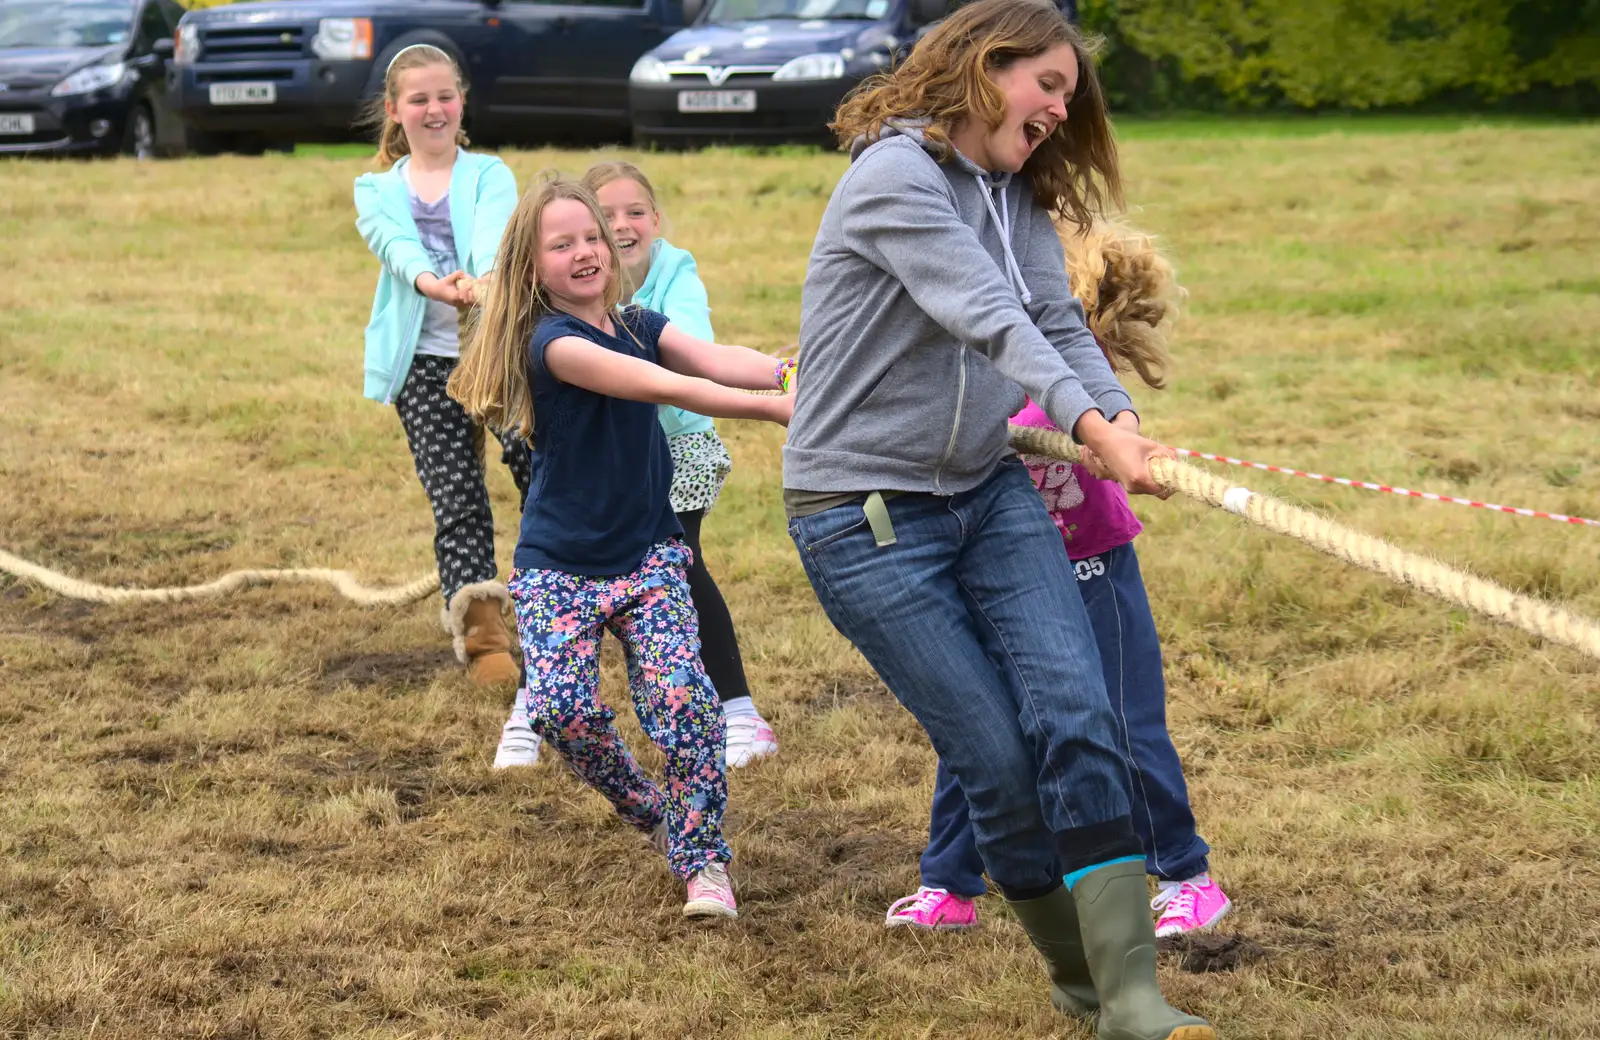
933 291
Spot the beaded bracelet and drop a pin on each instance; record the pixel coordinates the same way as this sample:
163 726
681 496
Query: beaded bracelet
784 374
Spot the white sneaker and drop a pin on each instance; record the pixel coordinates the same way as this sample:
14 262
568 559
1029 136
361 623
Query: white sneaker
519 744
749 739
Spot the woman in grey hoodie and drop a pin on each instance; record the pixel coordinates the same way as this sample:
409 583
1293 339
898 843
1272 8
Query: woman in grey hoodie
935 295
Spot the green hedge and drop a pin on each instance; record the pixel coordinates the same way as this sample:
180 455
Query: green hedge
1349 54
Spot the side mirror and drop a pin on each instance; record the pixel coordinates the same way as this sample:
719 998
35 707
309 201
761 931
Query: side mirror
162 48
926 12
691 10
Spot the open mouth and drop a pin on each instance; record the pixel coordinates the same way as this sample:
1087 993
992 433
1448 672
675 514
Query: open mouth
625 244
1035 131
437 125
583 273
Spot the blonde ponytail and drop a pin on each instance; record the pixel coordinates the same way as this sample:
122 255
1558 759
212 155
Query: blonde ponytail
1129 291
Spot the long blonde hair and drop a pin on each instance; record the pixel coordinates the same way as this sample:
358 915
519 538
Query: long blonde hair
945 80
392 143
491 382
1130 294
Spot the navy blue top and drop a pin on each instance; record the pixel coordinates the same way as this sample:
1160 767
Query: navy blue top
601 473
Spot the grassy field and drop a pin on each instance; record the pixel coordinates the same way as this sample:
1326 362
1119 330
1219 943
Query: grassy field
274 816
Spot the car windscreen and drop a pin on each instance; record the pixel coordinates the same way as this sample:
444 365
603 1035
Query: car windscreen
34 24
723 11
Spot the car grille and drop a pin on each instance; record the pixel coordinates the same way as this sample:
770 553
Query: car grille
251 42
717 76
248 75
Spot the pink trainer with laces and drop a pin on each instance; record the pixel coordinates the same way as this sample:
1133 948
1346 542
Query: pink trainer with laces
1189 906
711 893
933 909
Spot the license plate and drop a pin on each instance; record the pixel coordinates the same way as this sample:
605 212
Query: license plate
244 93
16 124
716 101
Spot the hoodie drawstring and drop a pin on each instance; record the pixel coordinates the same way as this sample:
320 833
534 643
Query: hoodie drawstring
1002 221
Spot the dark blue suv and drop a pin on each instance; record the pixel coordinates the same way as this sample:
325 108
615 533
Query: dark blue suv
256 75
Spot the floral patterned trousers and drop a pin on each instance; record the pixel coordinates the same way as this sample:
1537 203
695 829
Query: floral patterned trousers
561 618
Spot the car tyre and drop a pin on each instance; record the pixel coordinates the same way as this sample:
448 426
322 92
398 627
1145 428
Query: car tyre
139 134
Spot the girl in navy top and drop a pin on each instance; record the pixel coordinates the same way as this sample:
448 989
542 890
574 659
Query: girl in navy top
556 361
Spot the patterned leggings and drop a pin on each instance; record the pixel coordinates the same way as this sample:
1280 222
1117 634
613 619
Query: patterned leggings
444 444
561 618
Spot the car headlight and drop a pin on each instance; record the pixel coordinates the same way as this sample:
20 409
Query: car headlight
95 77
812 66
649 70
186 45
343 39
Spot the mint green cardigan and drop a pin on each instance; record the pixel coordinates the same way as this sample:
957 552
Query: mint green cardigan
483 194
673 287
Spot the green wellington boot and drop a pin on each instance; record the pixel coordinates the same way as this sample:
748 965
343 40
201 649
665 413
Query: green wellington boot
1120 943
1052 923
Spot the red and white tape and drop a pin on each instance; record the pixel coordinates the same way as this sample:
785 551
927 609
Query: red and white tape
1368 485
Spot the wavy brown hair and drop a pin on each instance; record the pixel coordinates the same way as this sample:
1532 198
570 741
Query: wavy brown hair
1130 294
947 80
392 143
491 381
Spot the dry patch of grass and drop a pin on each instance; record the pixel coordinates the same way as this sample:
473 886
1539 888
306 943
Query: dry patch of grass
274 816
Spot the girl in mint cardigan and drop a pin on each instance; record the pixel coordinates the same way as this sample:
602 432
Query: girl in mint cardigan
434 220
667 281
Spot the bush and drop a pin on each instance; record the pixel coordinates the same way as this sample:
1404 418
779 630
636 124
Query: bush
1351 54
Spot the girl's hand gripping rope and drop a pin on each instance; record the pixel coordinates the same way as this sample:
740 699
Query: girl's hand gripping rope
444 290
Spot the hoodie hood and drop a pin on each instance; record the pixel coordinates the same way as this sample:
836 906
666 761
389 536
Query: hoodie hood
914 129
989 184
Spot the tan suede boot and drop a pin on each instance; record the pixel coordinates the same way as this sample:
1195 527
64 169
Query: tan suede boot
475 619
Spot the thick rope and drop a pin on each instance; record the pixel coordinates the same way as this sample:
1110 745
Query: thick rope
1420 572
343 582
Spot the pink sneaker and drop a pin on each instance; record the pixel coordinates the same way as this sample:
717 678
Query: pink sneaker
711 894
933 909
1189 906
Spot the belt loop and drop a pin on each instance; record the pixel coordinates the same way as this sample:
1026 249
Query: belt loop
878 519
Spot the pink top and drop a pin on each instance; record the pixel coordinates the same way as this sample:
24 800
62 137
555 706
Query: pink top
1093 515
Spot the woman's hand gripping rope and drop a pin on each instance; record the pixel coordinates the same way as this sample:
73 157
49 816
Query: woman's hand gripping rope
1420 572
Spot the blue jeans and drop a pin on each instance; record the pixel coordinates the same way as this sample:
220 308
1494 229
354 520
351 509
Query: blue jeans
972 621
1113 591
